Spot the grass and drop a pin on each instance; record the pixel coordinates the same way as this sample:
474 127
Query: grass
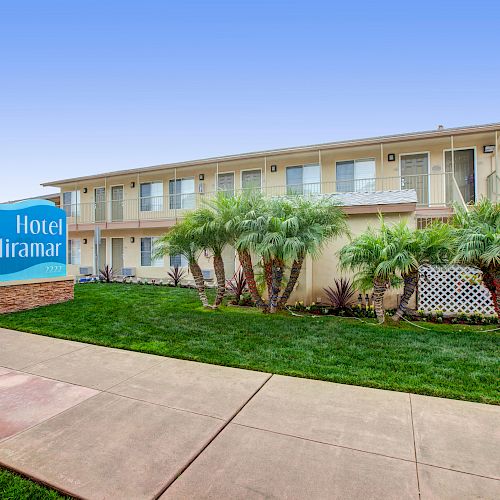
15 487
452 361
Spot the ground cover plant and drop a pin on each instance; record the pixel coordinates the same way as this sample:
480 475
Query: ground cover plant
15 487
455 361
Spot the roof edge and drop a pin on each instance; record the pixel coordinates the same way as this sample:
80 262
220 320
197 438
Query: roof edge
491 127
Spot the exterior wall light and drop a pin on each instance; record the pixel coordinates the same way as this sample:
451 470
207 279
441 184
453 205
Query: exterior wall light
132 239
274 168
84 241
85 190
132 184
201 177
490 148
391 157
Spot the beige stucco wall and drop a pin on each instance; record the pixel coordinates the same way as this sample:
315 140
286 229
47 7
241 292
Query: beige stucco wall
316 274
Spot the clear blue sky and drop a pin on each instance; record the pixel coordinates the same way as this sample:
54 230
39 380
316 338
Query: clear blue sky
88 86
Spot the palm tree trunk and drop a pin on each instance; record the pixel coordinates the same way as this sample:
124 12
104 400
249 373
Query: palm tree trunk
277 278
246 263
220 276
268 274
199 281
410 284
492 283
292 280
379 287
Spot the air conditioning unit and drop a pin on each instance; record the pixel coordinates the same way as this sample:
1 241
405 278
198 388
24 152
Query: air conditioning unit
86 271
208 274
128 272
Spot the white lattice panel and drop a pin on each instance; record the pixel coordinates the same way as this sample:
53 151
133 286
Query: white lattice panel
453 289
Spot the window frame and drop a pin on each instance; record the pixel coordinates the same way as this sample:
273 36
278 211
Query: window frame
151 199
160 262
354 179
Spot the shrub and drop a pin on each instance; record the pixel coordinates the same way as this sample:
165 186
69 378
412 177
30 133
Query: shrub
237 286
106 274
176 274
341 294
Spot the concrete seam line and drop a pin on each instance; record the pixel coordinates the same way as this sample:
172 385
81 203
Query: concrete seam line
414 444
51 359
324 443
210 441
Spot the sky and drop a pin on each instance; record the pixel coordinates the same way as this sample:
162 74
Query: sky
90 86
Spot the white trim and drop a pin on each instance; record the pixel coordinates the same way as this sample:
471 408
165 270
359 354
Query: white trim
250 170
428 153
475 166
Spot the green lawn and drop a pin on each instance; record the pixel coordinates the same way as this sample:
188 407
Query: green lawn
451 361
14 487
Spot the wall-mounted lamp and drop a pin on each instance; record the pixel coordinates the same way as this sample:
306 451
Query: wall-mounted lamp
391 157
132 239
274 168
201 177
132 184
84 241
85 190
490 148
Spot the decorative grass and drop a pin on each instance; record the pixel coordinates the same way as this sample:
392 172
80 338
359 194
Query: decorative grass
15 487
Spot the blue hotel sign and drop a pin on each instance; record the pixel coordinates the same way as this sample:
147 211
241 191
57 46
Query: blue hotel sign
32 240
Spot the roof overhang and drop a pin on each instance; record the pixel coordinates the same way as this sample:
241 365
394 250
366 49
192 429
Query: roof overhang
412 136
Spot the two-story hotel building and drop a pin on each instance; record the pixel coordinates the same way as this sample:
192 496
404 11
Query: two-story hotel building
417 176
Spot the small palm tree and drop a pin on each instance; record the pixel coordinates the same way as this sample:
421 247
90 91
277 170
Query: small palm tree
232 211
210 230
477 232
432 245
183 239
287 231
370 255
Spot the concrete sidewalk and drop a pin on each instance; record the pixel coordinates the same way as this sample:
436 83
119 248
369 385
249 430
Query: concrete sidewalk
100 423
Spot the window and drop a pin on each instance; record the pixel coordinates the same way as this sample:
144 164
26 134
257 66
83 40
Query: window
355 176
303 179
147 252
225 183
178 261
74 252
181 193
71 203
251 179
151 196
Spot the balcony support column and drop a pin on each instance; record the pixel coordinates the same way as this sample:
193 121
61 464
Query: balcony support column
175 193
381 168
265 174
320 170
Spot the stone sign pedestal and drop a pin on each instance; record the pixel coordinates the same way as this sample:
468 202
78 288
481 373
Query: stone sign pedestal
28 294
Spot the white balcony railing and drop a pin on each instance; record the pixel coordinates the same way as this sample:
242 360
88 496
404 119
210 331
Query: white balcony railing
432 190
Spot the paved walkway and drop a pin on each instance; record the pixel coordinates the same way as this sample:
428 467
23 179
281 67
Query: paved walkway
105 423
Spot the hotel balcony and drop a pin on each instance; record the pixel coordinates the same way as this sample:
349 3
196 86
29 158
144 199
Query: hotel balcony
434 192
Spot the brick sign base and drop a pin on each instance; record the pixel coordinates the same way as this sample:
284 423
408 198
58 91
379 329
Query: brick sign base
22 295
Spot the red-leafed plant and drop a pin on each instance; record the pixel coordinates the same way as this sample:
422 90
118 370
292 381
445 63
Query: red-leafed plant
341 294
176 275
237 286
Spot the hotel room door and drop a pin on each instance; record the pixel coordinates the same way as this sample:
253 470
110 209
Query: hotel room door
415 175
117 255
117 203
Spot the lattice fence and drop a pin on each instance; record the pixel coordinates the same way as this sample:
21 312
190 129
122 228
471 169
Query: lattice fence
453 289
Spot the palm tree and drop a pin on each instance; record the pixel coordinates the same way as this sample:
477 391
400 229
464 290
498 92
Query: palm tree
183 239
320 220
210 230
432 245
372 258
477 231
231 211
284 234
